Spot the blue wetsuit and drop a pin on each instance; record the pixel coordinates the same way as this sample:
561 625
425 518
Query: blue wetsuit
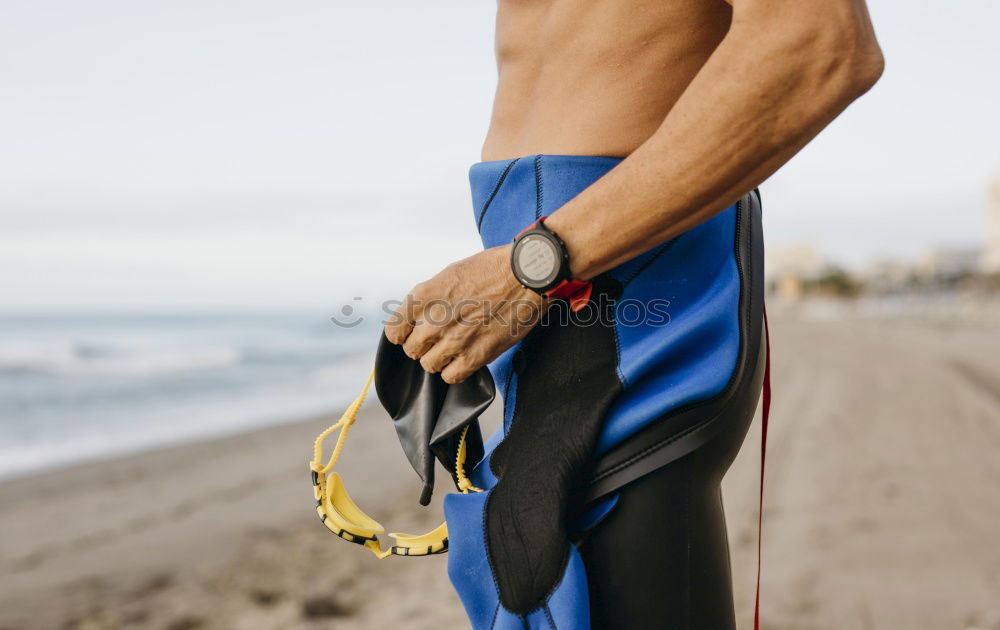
602 506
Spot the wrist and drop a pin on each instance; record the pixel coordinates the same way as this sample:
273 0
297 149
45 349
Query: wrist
540 262
581 264
513 287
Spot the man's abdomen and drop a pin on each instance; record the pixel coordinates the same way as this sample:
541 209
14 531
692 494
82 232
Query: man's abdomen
597 78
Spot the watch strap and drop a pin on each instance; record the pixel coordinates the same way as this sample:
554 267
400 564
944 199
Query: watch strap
576 292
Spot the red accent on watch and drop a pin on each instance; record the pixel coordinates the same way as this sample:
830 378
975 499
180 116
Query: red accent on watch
576 292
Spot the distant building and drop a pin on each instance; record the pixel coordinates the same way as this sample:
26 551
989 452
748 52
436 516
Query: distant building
949 264
802 260
989 262
789 267
887 276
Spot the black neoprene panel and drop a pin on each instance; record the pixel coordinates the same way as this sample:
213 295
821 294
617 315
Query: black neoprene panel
567 379
660 560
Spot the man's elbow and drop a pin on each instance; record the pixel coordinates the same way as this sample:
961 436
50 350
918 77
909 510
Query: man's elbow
832 44
863 62
846 52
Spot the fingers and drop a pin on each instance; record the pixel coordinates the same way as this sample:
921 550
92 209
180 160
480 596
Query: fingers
460 368
421 339
464 364
438 357
400 325
437 353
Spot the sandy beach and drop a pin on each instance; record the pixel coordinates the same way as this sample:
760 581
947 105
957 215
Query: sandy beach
882 508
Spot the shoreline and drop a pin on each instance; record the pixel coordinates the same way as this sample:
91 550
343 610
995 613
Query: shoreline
142 448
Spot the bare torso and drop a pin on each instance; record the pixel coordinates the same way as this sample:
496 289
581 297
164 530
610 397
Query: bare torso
594 78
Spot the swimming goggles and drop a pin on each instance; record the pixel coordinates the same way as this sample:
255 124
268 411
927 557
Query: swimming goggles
345 519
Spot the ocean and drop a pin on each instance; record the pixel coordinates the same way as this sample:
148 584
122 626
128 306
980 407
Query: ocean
77 388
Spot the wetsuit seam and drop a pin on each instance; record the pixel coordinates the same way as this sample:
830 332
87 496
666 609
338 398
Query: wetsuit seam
538 187
632 276
747 287
506 401
730 387
659 252
749 271
618 351
486 545
555 587
548 617
493 194
496 611
506 428
618 358
648 451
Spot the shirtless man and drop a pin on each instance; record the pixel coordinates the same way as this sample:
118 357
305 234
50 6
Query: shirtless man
689 104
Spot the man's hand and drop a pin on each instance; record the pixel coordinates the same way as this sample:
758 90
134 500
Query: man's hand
465 316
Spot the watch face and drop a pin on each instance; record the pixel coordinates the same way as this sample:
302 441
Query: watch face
536 260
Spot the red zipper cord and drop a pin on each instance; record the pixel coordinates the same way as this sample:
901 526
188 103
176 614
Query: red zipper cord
763 453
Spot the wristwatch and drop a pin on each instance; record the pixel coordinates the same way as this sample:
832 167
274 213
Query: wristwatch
540 263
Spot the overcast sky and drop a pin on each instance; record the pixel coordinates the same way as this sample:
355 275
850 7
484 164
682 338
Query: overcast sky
246 154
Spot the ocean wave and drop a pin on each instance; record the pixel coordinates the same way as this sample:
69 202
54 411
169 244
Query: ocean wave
78 388
116 432
75 358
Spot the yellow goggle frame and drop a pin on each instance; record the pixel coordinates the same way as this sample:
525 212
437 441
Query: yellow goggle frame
343 517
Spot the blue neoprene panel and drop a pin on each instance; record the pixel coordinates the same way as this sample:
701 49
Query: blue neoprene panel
567 608
694 279
691 358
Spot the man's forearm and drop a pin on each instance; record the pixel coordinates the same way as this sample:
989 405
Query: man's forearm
769 88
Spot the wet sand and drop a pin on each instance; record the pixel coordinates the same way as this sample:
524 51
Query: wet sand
882 510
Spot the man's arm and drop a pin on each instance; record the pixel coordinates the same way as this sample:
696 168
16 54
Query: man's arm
782 73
